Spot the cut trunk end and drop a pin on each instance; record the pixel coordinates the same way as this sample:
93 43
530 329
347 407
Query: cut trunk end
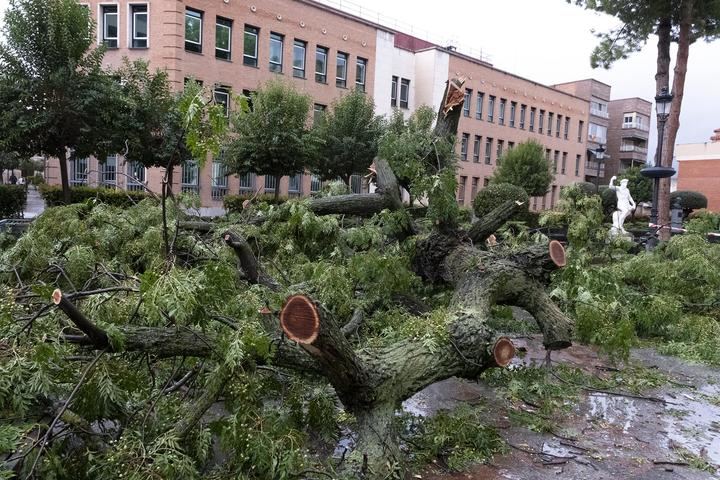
503 351
300 319
557 253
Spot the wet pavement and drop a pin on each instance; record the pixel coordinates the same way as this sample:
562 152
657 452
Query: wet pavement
35 204
603 436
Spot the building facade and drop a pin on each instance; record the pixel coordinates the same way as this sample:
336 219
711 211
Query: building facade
236 45
628 133
699 169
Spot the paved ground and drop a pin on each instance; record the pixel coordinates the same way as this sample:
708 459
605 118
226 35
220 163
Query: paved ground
35 204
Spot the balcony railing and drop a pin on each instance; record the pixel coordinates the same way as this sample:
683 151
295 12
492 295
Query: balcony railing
591 169
599 113
636 125
633 148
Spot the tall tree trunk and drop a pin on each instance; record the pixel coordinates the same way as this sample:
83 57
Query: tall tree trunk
662 78
673 122
277 186
64 180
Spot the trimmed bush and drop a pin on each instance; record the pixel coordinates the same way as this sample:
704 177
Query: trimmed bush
234 203
689 200
12 200
586 187
36 180
495 194
53 196
609 200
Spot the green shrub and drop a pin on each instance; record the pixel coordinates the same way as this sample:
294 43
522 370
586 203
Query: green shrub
586 188
12 200
53 196
609 200
496 194
36 179
689 200
703 221
234 203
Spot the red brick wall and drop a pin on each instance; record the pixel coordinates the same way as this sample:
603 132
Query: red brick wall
702 176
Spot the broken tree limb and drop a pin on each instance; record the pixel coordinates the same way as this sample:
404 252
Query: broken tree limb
98 337
489 224
248 263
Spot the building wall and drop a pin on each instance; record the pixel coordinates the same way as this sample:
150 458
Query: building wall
699 170
627 142
482 78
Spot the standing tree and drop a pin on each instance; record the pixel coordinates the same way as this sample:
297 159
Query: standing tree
525 166
349 132
272 138
56 98
8 161
680 21
639 185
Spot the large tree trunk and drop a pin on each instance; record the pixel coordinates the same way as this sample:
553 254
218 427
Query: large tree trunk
64 178
673 122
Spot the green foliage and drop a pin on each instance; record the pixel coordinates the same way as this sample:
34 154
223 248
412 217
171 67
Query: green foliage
272 138
525 166
581 214
12 200
640 186
53 196
234 203
688 200
424 163
703 221
349 133
458 438
587 188
495 194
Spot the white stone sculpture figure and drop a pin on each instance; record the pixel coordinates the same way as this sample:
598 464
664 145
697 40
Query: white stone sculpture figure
625 205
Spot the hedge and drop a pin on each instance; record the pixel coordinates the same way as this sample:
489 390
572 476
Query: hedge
234 203
689 200
495 194
53 195
12 201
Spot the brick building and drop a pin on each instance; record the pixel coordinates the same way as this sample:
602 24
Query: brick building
628 133
236 45
699 169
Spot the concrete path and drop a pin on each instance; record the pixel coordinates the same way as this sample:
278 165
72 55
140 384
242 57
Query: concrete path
35 204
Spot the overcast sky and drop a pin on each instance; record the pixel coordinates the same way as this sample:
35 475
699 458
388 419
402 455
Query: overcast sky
550 41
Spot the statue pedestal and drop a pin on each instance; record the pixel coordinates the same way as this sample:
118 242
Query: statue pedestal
615 234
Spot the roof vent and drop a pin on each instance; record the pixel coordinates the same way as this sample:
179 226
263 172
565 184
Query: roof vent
451 48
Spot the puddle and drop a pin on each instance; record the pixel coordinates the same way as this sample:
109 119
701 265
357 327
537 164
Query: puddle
615 410
697 427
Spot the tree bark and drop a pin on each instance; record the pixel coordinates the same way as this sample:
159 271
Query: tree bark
247 261
64 178
673 122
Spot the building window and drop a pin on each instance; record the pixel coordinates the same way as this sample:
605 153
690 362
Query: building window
486 182
79 171
466 102
299 48
135 176
523 109
139 26
318 112
341 70
556 157
295 185
193 30
581 127
488 150
491 108
532 119
108 172
513 107
223 38
393 92
360 73
219 181
247 183
464 146
321 54
549 124
476 149
557 126
541 121
547 154
355 184
315 184
221 95
190 177
474 189
110 26
250 46
564 163
567 128
577 165
553 194
404 93
270 183
461 190
498 157
276 52
501 113
597 133
479 105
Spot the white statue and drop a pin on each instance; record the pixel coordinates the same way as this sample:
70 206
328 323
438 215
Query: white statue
625 205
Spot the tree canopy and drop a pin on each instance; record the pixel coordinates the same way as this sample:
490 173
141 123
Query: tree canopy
525 166
349 134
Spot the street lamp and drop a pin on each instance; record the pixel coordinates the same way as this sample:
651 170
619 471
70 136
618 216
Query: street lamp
662 105
599 156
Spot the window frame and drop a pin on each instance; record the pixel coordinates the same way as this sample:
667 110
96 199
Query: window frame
270 179
394 91
501 112
195 47
106 173
476 148
247 182
523 111
104 38
297 44
467 99
133 13
321 76
567 128
220 52
541 121
361 62
479 105
250 31
341 82
275 39
464 146
488 150
551 115
558 124
221 90
513 109
491 109
405 82
531 123
499 151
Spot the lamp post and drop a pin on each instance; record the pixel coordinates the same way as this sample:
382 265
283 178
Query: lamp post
599 156
662 105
